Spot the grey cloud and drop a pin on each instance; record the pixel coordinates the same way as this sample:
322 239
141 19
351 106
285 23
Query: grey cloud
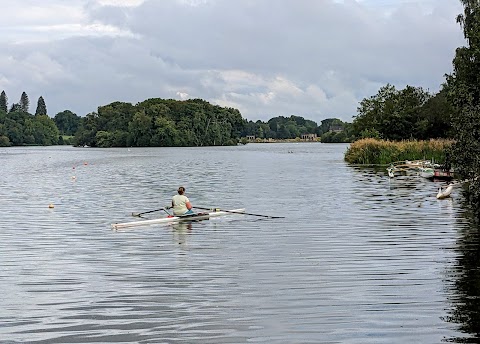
315 59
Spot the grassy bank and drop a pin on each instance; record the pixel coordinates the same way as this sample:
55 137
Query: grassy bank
373 151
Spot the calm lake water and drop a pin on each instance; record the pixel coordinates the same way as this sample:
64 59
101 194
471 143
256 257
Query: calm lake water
358 258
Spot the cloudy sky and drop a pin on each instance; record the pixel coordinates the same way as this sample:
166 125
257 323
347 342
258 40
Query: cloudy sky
267 58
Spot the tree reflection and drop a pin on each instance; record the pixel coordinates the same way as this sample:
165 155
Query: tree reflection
465 280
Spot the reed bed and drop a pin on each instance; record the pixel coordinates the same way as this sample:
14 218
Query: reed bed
381 152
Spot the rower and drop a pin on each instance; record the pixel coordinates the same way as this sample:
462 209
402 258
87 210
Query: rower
181 204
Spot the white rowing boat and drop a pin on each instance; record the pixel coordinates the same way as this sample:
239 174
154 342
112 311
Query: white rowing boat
196 217
442 194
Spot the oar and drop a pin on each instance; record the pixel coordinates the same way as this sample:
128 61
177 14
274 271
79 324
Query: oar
151 211
236 212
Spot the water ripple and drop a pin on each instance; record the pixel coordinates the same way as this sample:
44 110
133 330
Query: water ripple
359 258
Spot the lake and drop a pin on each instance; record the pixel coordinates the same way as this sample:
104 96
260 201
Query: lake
358 258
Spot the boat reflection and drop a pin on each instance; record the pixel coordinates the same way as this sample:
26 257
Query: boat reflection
181 230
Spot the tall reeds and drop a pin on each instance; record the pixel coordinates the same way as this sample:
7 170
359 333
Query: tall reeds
379 152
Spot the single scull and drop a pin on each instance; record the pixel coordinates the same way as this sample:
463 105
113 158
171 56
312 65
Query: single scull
196 217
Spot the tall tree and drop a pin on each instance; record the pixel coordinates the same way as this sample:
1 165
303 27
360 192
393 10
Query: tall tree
3 102
24 102
463 89
41 107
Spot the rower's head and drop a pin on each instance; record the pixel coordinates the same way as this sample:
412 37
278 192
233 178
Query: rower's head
181 190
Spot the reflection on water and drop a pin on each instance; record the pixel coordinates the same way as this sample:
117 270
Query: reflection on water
181 231
358 258
463 281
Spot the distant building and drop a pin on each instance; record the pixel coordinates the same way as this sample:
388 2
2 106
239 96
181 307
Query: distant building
309 137
336 128
251 138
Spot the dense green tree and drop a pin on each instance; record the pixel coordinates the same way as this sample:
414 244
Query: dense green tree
141 129
41 107
67 122
328 125
411 113
435 118
463 87
46 132
86 133
24 102
3 102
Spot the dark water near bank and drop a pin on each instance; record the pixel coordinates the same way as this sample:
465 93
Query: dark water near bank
358 258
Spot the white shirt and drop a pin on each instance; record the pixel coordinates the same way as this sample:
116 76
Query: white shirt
179 203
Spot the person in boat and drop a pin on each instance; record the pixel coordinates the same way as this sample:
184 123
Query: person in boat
181 204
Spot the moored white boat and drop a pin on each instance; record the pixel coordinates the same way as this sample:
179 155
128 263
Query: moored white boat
427 172
436 174
445 193
197 217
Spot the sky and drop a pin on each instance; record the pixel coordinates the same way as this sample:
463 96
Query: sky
312 58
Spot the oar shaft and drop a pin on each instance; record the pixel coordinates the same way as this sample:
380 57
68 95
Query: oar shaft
148 212
228 211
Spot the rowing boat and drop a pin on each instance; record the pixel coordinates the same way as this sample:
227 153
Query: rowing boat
170 219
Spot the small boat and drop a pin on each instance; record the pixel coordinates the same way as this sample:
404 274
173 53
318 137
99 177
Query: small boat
406 167
426 172
445 193
182 218
434 174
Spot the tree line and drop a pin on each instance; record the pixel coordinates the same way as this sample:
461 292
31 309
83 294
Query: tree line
152 123
410 113
19 127
281 128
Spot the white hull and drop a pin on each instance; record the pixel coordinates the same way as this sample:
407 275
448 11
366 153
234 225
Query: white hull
202 216
445 193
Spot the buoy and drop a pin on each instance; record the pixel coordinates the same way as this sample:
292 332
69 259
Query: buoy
51 205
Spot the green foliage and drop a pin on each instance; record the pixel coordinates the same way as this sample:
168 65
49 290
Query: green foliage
3 102
293 127
67 122
20 128
370 133
330 124
463 89
66 140
16 108
24 102
411 113
41 107
43 129
333 137
4 141
160 122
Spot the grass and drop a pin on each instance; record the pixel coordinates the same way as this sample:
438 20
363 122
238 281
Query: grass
380 152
